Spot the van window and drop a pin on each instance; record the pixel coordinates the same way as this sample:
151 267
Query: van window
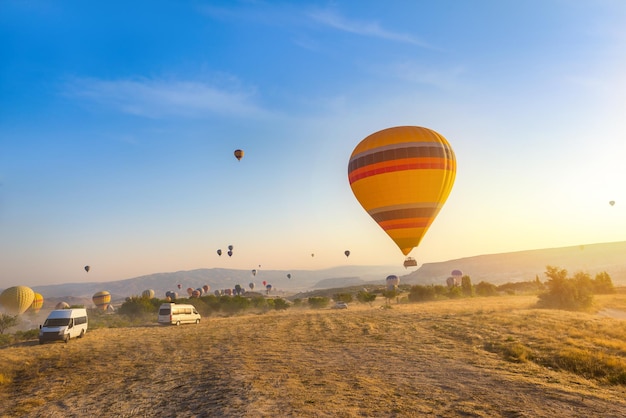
56 322
80 320
188 311
164 311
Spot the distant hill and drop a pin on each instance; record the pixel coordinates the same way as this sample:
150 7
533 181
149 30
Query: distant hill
493 268
526 265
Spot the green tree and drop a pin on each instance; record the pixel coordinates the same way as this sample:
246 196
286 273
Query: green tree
486 289
318 302
7 321
566 293
365 297
280 304
390 294
343 297
602 284
466 286
419 293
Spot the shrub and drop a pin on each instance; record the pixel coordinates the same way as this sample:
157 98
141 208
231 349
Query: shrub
602 284
486 289
466 286
455 292
318 302
419 293
343 297
280 304
7 321
137 306
365 297
565 293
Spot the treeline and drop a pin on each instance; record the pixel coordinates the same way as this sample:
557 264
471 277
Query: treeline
558 292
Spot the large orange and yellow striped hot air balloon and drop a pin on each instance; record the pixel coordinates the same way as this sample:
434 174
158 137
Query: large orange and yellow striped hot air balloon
402 176
37 303
101 300
17 299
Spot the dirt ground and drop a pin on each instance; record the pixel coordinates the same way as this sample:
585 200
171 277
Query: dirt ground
359 362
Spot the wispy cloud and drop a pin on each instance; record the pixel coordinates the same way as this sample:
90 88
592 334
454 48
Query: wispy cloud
372 29
160 98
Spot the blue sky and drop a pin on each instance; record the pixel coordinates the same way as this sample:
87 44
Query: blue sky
118 122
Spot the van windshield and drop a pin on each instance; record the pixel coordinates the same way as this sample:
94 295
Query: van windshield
56 322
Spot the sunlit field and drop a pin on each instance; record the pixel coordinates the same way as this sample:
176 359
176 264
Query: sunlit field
482 357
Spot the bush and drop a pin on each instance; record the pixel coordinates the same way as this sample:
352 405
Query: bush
7 321
466 286
280 304
602 284
486 289
365 297
343 297
566 293
136 307
419 293
318 302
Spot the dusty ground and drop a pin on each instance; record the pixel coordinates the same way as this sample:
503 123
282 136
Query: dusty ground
360 362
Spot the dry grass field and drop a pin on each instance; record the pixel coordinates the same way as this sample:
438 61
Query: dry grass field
484 357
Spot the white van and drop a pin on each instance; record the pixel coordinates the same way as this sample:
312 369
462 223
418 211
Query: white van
171 313
63 324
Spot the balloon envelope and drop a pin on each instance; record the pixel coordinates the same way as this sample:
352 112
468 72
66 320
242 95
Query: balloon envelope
347 253
87 268
402 177
101 299
17 299
239 154
148 294
37 303
612 202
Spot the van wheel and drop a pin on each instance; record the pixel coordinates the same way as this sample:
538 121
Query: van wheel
66 339
197 321
177 323
82 334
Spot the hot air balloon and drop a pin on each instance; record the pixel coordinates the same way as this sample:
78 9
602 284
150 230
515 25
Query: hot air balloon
189 290
289 275
206 288
312 255
268 287
392 281
347 253
101 300
239 154
17 299
87 268
147 294
264 282
612 202
180 286
457 275
230 247
196 293
37 303
402 177
254 272
219 252
230 253
62 305
171 295
251 285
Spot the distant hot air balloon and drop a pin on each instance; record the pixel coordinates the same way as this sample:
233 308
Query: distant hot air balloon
37 303
392 281
251 285
206 288
264 282
62 305
312 255
87 268
347 253
180 286
289 275
230 253
402 177
457 275
189 291
239 154
219 252
254 272
147 294
268 287
17 299
229 292
101 300
230 247
612 202
196 293
171 295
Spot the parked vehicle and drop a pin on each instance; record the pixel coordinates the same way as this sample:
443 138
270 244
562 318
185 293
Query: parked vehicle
340 305
176 314
64 324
